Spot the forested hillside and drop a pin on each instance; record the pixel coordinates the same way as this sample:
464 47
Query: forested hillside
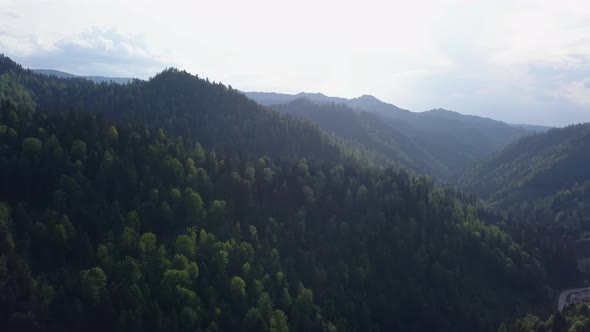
438 142
533 169
110 222
215 115
574 319
543 183
371 131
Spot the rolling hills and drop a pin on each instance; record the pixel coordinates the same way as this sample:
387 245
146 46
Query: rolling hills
438 142
180 204
184 105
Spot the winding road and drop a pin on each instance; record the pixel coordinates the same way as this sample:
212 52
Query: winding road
563 297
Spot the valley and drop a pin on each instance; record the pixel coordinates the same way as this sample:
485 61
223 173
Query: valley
440 143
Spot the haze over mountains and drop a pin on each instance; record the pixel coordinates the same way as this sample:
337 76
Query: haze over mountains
437 142
97 79
181 204
366 103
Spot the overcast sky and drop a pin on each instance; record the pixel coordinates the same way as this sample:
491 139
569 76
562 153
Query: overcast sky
516 61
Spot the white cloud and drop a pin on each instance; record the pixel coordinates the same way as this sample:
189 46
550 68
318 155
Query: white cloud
518 61
94 52
577 92
18 45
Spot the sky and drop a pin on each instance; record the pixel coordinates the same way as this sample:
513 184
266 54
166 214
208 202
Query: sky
515 61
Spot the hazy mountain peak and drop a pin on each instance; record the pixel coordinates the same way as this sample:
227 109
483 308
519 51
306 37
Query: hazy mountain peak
97 79
368 98
441 110
448 113
311 94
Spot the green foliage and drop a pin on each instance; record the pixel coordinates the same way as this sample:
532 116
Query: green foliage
533 168
194 206
438 142
279 322
571 319
130 237
179 104
542 186
11 92
173 278
238 287
78 150
186 245
147 244
93 284
113 134
253 320
32 146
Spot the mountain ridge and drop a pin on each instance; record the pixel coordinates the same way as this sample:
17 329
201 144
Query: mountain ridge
97 79
186 105
437 142
538 166
114 216
368 103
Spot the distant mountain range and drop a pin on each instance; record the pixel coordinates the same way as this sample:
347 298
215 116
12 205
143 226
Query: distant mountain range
372 104
97 79
437 142
365 102
176 101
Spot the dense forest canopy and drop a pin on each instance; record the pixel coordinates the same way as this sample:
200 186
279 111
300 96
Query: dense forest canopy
571 319
533 168
211 113
543 183
179 204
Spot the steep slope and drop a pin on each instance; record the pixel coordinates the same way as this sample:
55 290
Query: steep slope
115 226
533 168
185 105
453 139
542 184
459 140
370 130
492 134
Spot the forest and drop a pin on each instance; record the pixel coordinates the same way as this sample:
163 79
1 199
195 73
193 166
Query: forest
180 204
542 182
438 142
